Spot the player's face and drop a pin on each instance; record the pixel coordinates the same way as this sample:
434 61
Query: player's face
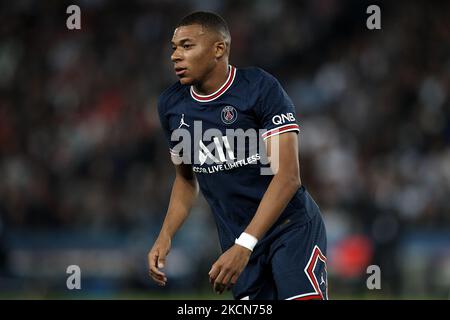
193 53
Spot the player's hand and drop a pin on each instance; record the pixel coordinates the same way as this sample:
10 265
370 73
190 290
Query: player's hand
157 259
226 270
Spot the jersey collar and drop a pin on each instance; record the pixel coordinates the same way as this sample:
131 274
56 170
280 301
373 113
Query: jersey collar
218 92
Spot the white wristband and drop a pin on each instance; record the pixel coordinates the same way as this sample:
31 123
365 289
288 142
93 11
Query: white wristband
247 241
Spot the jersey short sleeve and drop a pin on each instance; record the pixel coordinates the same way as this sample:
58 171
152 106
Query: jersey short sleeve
275 109
165 126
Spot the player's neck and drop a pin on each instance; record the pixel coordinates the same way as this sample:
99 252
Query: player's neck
213 81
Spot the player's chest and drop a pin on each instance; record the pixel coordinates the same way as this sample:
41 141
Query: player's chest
222 116
215 133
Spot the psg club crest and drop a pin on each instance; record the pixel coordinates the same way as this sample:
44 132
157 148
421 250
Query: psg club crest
229 115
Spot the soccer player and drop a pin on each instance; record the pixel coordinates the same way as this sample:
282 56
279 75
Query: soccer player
270 229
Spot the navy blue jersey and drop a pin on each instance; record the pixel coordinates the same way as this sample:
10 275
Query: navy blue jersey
207 131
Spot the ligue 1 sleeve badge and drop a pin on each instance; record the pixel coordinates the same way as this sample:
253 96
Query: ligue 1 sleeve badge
229 115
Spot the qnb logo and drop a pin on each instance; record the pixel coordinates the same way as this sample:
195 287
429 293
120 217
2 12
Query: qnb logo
204 152
282 118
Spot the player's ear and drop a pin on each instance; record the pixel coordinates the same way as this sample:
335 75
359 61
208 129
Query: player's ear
220 48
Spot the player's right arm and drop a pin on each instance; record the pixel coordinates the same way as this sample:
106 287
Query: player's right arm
184 192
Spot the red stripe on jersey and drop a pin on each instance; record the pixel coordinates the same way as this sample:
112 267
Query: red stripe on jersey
316 255
279 130
311 297
309 269
218 93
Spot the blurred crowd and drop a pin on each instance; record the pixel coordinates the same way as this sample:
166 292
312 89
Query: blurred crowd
80 140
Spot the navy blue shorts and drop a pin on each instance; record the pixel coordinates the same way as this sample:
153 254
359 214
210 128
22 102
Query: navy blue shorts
292 267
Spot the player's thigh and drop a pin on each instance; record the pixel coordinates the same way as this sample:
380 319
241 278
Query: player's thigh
256 281
299 262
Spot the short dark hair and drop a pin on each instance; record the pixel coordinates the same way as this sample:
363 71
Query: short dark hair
208 20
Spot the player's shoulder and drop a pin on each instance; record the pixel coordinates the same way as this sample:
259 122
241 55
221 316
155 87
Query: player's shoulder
171 95
256 75
259 81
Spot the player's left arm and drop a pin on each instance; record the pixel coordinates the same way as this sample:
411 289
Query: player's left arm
283 151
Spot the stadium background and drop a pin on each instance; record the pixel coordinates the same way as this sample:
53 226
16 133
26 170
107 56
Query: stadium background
85 174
